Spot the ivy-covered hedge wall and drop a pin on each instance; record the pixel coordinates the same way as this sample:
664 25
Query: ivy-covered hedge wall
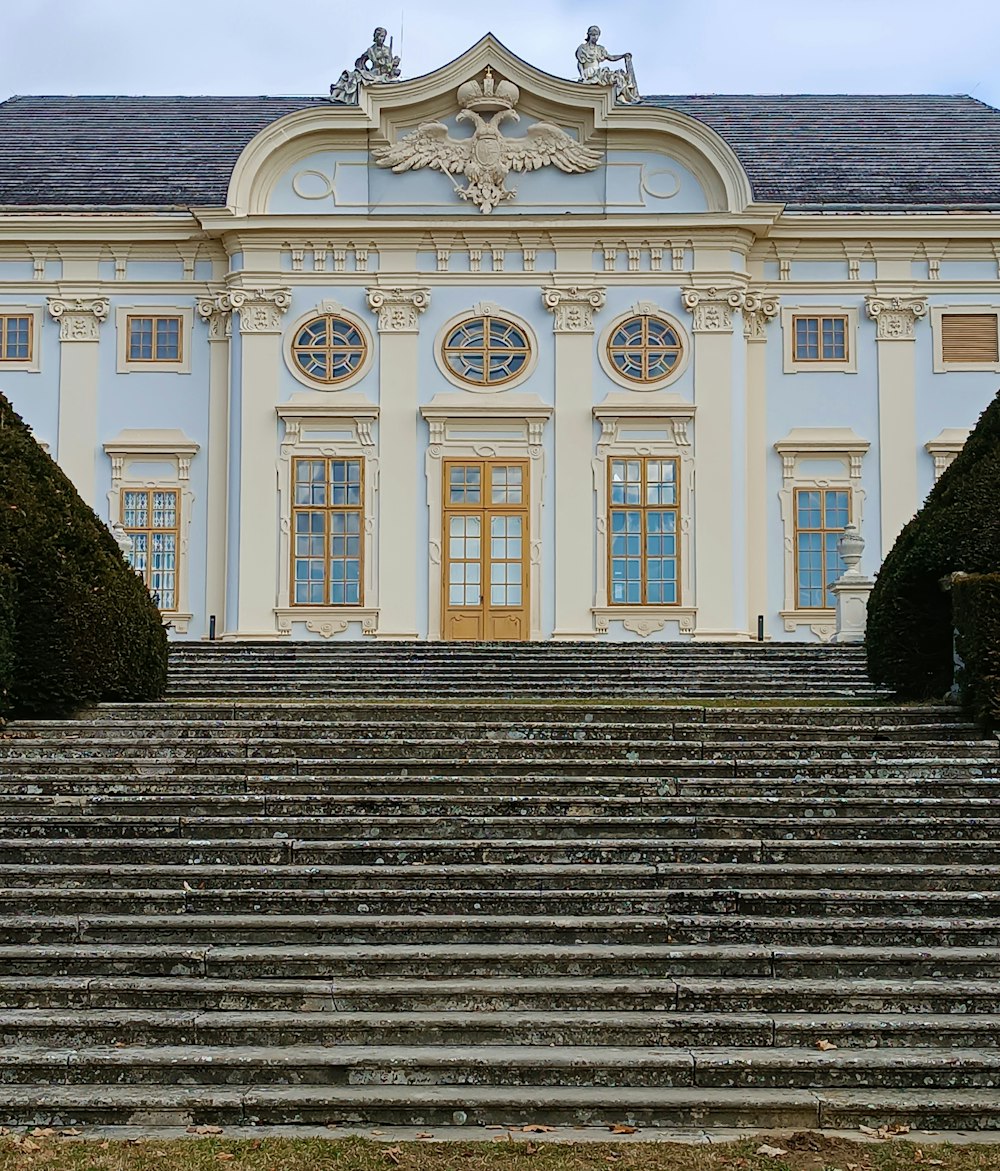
976 609
84 626
909 637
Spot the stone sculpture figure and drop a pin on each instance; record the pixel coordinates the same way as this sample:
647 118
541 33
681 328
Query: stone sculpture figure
591 59
375 66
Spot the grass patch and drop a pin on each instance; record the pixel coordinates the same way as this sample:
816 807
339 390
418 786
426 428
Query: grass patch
805 1151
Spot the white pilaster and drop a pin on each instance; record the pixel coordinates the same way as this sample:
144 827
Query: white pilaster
398 309
896 320
80 320
573 308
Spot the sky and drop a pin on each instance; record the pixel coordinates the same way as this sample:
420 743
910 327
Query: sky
703 46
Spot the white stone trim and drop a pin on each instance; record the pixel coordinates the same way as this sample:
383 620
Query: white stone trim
944 447
487 426
795 366
339 428
651 426
336 309
128 366
842 447
644 309
31 365
486 309
939 311
175 451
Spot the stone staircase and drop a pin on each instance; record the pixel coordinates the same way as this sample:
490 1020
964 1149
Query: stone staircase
549 886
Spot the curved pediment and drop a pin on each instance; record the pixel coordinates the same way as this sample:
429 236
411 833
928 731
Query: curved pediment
542 145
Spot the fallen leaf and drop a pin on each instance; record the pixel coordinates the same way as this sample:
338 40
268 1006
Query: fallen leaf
623 1128
378 1132
825 1046
890 1130
225 1157
69 1131
424 1134
771 1152
531 1149
537 1128
42 1132
393 1153
27 1145
4 1131
105 1145
204 1130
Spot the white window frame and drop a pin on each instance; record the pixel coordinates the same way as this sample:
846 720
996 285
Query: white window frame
643 309
845 450
341 429
173 452
127 365
31 365
792 365
323 309
937 332
630 428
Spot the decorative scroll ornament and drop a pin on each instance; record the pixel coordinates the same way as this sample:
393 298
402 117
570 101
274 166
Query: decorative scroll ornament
398 309
487 158
260 310
713 308
896 317
80 318
759 310
590 62
573 307
375 66
216 313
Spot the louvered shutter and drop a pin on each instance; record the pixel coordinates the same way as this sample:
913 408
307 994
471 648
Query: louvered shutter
969 337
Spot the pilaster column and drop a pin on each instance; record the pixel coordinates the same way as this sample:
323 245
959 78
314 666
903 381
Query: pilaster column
896 321
400 564
573 308
217 315
759 310
80 320
720 506
256 540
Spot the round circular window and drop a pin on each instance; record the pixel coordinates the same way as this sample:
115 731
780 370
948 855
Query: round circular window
486 351
645 349
328 349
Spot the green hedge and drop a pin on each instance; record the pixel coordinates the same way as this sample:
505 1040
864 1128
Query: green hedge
7 586
84 625
909 637
976 608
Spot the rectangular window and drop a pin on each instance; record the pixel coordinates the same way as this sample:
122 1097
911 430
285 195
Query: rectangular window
327 527
154 339
151 517
819 339
969 337
645 530
15 339
820 517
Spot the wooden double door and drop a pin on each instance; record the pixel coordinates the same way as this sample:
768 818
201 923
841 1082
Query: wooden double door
486 550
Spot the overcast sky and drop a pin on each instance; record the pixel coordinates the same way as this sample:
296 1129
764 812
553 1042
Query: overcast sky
701 46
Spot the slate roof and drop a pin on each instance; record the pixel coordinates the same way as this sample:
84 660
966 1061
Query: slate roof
810 152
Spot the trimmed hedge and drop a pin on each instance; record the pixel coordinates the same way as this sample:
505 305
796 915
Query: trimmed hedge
909 636
7 586
84 626
976 608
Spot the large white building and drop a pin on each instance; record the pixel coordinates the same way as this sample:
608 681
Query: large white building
558 367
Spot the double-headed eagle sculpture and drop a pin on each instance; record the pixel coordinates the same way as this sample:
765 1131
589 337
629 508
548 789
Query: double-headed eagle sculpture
488 156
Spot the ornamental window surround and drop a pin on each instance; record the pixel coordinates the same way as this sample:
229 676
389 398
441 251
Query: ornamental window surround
154 339
486 350
820 339
328 348
643 349
20 330
327 526
820 517
644 544
152 518
966 338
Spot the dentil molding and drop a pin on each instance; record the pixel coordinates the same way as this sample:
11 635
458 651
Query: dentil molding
398 308
896 317
80 318
573 308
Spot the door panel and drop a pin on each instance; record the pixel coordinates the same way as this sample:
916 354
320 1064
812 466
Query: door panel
486 550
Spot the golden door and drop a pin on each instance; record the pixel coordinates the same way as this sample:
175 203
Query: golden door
486 550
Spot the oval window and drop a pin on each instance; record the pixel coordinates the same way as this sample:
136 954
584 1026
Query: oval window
645 349
328 349
486 351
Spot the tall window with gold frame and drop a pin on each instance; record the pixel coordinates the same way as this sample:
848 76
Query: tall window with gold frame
327 528
152 518
644 537
820 517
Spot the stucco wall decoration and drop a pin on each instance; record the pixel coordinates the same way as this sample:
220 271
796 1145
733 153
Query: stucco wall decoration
487 158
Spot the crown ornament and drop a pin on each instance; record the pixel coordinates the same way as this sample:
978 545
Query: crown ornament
488 95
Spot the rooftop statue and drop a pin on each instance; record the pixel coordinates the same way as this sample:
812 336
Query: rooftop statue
591 57
375 66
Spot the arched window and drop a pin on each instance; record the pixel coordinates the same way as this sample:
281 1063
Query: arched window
328 349
486 351
644 348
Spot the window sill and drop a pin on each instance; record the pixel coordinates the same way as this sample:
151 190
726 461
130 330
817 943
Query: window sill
644 620
327 620
822 622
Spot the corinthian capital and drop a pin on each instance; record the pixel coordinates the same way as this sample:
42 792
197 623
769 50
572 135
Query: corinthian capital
260 310
758 310
712 308
573 308
79 318
896 317
398 309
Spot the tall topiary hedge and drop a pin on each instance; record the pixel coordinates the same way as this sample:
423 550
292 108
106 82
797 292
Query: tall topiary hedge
84 625
7 585
909 638
976 609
